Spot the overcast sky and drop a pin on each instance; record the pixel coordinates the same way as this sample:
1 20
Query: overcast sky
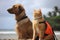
7 20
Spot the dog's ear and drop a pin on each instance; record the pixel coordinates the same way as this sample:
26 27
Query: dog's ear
40 12
34 10
20 9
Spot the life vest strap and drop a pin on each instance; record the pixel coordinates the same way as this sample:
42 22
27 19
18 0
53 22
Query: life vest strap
41 22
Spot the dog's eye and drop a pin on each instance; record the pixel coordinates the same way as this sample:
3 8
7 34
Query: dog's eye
15 7
20 8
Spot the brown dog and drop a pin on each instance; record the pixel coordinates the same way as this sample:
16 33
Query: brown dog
23 25
39 27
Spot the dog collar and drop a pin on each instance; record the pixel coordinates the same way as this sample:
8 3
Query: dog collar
22 18
41 22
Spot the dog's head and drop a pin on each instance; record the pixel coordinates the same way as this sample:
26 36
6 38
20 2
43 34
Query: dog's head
37 13
16 9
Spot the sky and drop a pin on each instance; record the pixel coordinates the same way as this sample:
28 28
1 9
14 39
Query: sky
7 21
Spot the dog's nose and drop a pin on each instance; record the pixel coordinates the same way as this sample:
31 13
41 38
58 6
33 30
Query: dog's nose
8 10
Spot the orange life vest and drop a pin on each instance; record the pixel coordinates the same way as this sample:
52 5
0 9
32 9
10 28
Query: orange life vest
48 30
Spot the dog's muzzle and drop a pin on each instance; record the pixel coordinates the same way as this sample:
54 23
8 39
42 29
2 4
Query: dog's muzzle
9 10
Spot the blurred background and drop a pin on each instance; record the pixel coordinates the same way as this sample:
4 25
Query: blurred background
50 10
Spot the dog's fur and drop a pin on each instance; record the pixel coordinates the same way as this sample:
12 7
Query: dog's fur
38 27
23 25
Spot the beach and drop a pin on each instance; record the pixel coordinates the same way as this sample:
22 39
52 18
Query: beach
11 35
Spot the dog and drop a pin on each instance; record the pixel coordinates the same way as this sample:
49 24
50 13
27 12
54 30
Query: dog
39 27
23 25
